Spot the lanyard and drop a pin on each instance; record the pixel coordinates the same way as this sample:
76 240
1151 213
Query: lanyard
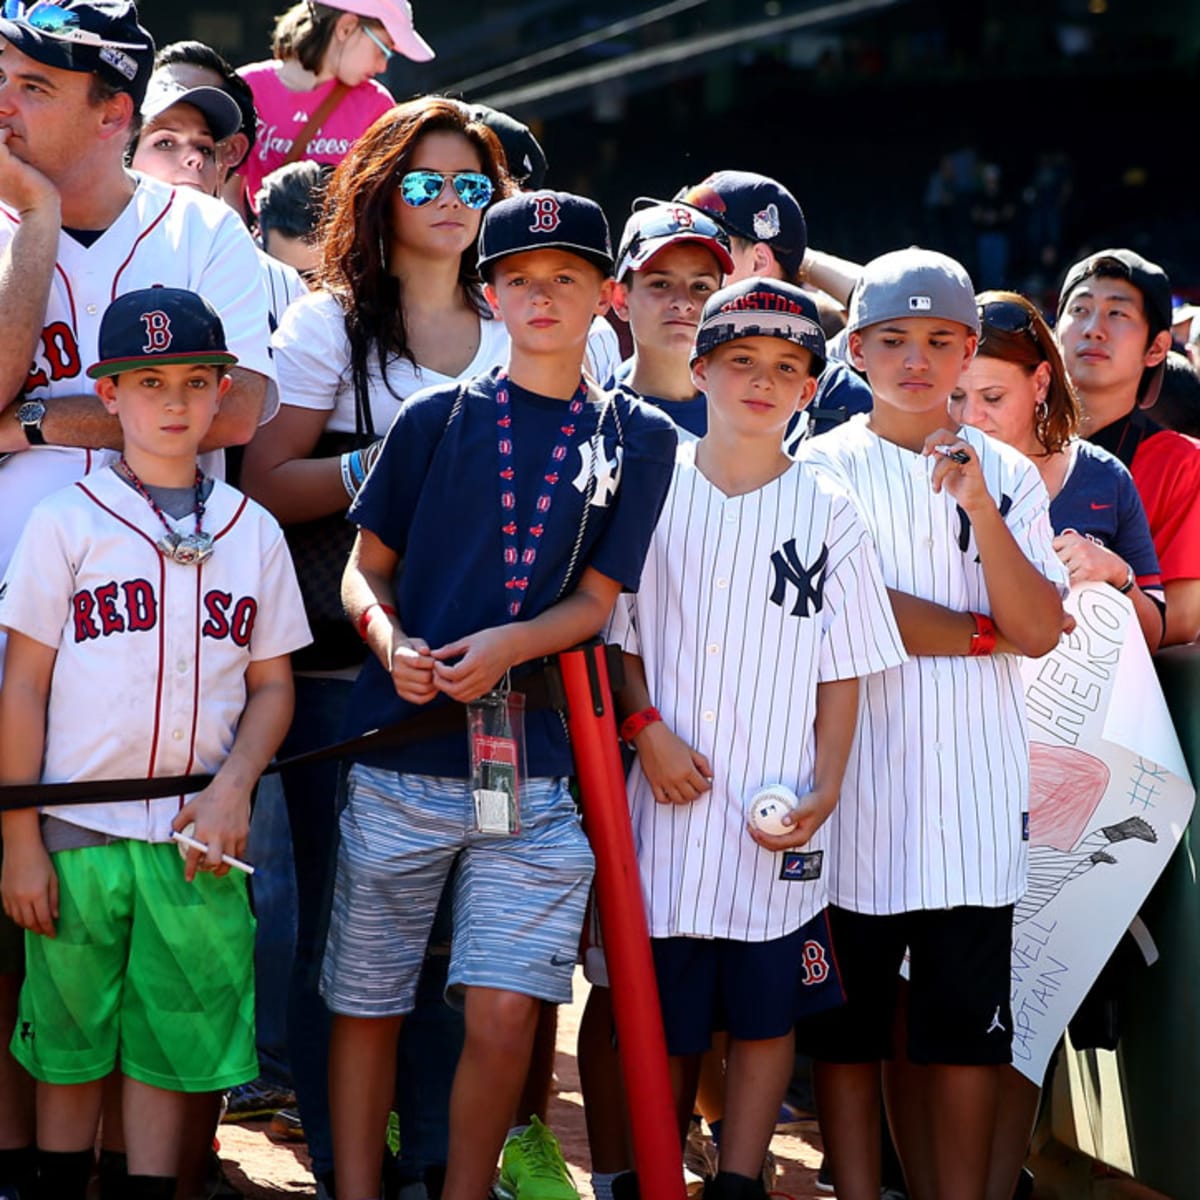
518 563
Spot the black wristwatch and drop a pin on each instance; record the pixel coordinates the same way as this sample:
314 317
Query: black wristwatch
30 416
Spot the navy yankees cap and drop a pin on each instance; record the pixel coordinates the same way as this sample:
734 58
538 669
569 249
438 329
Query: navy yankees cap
101 37
755 207
758 307
545 220
159 326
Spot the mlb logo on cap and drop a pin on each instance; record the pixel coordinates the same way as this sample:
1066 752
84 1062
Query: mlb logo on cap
160 326
920 303
545 220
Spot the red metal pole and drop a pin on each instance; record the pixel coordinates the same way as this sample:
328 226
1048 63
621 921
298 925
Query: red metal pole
640 1040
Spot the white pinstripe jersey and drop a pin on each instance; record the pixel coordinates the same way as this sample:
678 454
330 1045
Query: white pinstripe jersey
170 236
931 808
746 604
149 677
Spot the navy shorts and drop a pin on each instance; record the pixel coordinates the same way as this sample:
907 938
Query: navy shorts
750 990
959 987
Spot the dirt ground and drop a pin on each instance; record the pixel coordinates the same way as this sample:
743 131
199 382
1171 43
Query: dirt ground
264 1169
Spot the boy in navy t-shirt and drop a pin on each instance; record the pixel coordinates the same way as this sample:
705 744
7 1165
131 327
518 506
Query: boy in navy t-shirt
520 504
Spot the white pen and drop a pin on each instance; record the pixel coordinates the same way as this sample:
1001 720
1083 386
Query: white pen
192 843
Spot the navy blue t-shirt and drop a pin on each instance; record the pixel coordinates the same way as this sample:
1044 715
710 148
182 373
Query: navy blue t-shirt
434 498
1099 499
691 415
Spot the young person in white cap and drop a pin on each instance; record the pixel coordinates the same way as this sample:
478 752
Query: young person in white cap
319 89
927 843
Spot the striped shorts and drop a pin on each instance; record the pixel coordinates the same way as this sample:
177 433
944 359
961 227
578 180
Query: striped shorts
518 900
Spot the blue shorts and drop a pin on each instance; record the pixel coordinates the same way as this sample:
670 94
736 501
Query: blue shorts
750 990
518 900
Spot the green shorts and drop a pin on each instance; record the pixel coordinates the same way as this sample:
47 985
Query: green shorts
146 970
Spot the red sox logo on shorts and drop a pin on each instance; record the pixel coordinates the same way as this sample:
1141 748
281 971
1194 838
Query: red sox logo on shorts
158 331
545 215
814 963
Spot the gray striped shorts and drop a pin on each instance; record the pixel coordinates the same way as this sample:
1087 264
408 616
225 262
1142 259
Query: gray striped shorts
518 900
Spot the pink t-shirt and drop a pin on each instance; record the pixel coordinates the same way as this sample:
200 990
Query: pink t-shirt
283 113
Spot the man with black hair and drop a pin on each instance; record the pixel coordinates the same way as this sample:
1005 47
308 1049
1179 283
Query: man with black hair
289 213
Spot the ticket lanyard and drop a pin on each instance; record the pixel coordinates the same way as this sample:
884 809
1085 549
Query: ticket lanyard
518 562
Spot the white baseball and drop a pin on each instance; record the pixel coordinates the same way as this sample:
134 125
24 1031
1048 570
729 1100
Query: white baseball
769 806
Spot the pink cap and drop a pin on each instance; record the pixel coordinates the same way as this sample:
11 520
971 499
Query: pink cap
396 18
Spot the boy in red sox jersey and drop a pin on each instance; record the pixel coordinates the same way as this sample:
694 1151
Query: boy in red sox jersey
150 614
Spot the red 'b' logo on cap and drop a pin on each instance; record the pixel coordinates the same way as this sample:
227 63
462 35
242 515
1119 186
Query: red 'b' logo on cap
545 215
158 332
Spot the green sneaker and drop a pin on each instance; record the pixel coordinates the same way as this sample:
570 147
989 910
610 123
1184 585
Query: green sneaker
532 1167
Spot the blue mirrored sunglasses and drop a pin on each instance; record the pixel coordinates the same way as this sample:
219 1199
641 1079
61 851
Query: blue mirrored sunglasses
419 188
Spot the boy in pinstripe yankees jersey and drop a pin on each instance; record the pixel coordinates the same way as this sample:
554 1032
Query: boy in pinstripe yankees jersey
761 605
927 845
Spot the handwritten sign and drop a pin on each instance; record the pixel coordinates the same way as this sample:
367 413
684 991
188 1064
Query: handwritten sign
1110 798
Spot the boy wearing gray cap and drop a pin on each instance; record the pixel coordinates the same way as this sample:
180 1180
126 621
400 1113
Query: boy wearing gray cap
927 843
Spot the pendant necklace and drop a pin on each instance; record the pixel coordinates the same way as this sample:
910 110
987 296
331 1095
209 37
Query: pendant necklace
189 550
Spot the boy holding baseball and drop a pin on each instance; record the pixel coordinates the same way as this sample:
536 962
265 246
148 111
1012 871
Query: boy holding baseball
150 614
761 605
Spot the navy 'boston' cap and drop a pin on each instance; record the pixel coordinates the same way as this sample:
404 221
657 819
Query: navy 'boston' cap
159 326
101 37
545 220
759 307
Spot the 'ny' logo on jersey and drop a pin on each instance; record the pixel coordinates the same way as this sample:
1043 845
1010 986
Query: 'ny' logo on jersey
545 214
158 331
809 582
964 523
595 464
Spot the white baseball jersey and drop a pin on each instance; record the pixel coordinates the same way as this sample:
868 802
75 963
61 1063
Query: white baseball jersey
931 808
282 284
746 604
149 678
170 236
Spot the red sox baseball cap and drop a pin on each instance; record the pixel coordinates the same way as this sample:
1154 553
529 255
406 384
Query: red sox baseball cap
545 220
101 37
761 308
159 326
650 230
754 207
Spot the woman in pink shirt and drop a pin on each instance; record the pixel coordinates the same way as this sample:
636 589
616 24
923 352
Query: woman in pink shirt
325 59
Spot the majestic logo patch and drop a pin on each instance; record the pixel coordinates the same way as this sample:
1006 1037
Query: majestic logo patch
801 866
158 332
766 223
920 303
809 582
545 215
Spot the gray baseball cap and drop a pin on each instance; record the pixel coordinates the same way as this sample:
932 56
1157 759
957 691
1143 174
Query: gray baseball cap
913 283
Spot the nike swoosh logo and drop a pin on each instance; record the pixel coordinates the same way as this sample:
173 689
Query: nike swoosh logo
555 961
1097 507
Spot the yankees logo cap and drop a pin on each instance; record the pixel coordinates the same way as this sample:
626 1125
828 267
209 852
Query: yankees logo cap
218 108
101 37
397 18
755 207
650 230
545 220
913 283
526 160
159 326
758 307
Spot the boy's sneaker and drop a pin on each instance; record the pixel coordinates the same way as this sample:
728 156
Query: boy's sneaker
257 1100
699 1158
532 1167
824 1182
287 1126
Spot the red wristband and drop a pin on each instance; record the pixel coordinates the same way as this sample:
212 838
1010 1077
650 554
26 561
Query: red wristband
634 724
364 617
983 640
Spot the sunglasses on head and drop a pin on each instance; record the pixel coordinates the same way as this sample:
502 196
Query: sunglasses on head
52 20
667 222
1007 316
419 188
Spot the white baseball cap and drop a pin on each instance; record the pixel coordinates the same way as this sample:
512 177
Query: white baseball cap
396 17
